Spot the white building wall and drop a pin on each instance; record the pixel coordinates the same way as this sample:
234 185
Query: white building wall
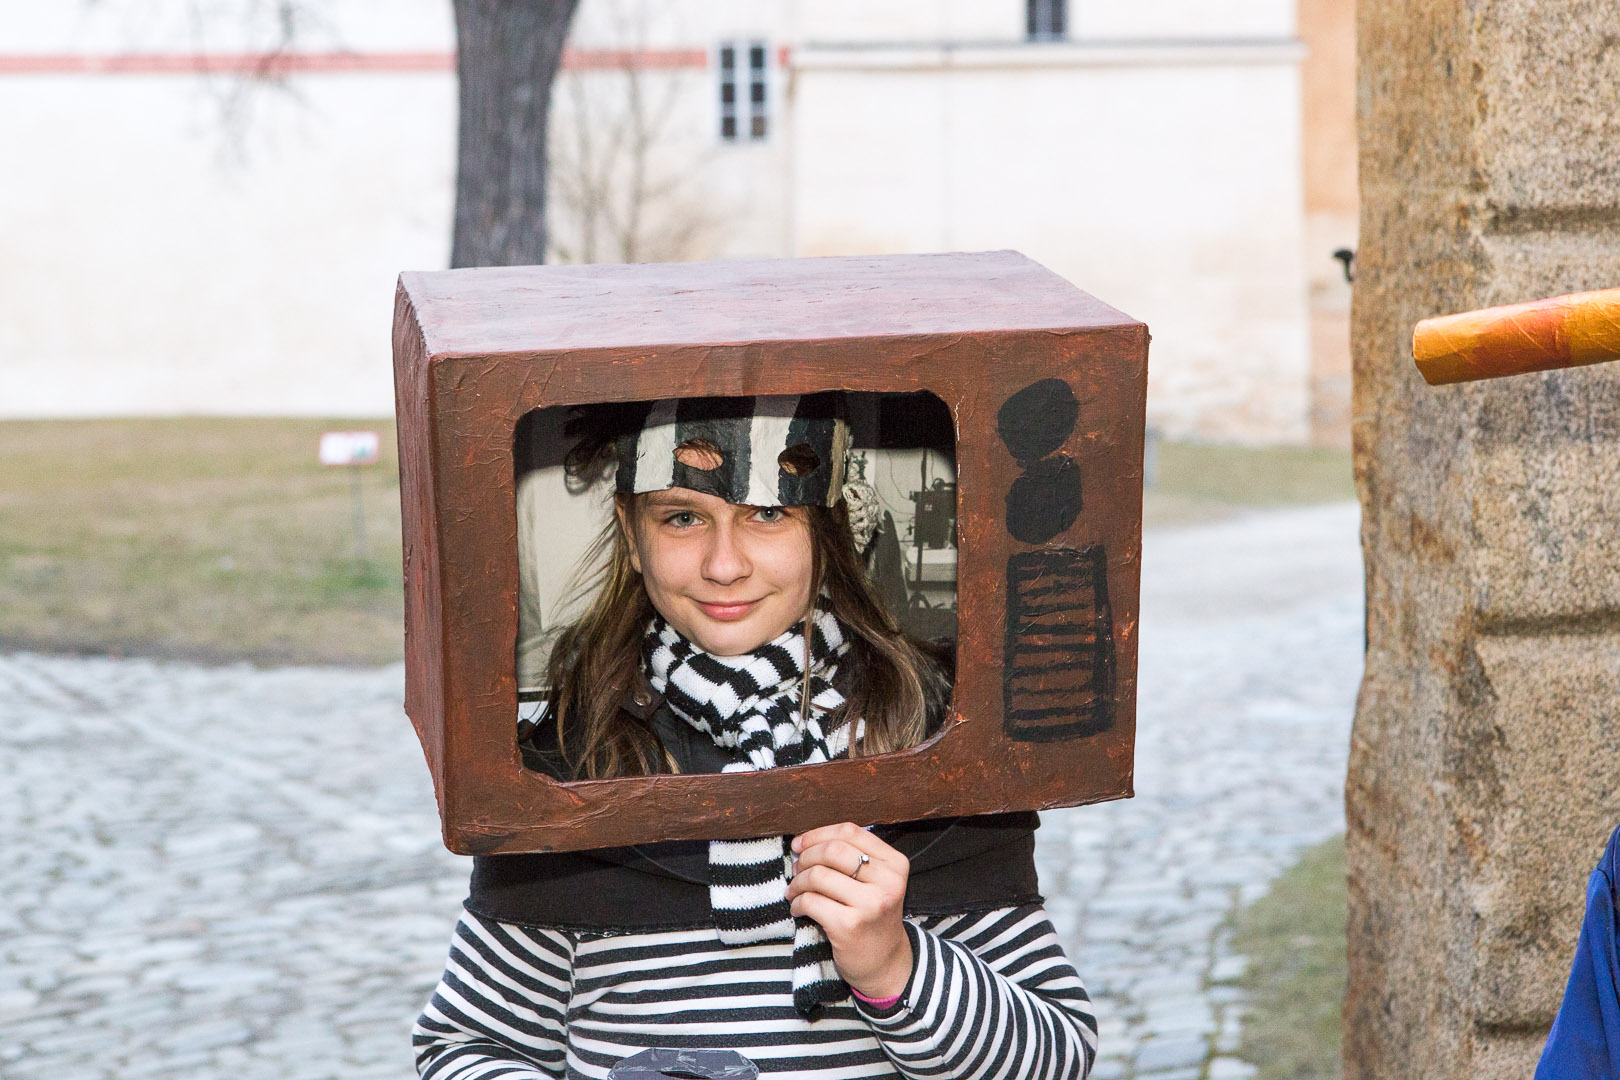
148 273
165 257
1182 20
851 21
152 269
610 24
1163 180
712 198
101 27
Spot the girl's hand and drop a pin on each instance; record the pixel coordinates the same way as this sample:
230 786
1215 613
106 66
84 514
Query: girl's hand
859 905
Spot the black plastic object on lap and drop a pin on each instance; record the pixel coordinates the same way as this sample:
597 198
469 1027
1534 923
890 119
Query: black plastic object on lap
660 1062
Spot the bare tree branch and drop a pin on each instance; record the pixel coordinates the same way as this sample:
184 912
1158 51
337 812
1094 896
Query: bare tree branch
625 187
273 30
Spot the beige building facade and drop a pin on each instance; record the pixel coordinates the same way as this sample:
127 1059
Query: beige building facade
1327 29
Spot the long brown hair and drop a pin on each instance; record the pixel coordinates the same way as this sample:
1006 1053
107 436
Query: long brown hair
897 687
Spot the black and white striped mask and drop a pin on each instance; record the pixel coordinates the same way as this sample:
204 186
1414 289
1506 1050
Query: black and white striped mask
784 450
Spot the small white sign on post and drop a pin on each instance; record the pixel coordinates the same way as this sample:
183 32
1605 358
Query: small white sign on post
349 448
352 448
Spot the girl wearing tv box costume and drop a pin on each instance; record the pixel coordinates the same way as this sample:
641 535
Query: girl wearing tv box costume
735 629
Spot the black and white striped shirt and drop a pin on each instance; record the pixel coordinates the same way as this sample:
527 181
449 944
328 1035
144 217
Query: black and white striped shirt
991 997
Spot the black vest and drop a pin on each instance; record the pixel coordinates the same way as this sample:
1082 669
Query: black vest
958 865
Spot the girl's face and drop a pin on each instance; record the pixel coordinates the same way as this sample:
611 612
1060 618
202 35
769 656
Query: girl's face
728 577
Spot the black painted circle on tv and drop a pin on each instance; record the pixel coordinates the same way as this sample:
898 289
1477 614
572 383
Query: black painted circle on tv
1045 500
1038 420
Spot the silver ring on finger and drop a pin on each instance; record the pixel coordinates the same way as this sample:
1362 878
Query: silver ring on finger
856 873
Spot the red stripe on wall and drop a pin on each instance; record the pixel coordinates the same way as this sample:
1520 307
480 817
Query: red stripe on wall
275 64
587 59
224 63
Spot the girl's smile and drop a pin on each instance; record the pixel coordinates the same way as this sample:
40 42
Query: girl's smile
729 611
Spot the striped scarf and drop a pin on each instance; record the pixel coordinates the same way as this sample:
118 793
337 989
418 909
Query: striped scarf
749 704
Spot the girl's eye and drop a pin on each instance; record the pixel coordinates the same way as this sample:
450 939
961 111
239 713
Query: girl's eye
771 514
681 519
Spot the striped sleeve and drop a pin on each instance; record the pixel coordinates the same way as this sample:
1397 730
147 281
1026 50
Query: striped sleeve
991 997
499 1009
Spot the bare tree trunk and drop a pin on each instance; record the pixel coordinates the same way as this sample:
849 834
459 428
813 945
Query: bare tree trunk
507 53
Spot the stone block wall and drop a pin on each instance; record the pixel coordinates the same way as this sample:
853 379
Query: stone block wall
1485 759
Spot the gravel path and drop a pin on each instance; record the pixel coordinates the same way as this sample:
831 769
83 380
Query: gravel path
216 872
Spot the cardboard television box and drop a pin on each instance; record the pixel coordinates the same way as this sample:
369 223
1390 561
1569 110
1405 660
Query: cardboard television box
1045 388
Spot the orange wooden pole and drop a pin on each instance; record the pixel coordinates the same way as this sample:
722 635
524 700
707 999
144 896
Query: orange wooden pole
1565 331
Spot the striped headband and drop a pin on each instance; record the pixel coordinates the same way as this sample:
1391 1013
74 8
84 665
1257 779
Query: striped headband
785 450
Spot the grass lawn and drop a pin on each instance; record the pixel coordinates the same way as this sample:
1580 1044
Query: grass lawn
1294 937
1196 482
210 539
222 539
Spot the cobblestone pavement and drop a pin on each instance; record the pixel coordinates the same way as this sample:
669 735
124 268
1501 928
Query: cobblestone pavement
230 872
1250 658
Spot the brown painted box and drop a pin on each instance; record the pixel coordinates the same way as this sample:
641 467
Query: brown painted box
1046 386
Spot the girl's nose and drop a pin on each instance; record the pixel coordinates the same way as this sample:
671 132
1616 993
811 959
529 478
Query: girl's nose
725 561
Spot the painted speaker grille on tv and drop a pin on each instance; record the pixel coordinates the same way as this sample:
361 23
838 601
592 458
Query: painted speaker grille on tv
1057 680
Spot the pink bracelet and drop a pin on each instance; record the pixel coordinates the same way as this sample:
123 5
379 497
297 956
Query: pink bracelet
876 1003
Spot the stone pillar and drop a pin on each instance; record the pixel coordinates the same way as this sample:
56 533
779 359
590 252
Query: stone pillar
1485 760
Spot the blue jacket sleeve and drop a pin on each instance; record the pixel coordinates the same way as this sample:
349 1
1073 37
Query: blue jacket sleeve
1585 1037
